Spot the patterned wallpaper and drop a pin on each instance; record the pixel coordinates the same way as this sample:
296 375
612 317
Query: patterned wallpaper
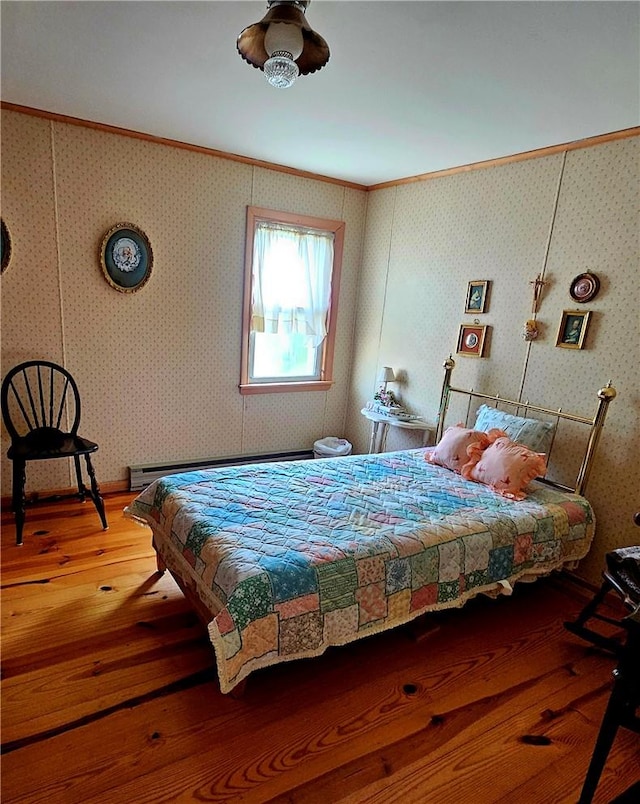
31 310
425 241
596 229
158 370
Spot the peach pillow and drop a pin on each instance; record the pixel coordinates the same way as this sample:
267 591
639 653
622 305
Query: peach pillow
452 449
506 467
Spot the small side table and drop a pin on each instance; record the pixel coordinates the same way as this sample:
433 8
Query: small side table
380 428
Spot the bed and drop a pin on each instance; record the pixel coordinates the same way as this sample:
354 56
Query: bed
282 560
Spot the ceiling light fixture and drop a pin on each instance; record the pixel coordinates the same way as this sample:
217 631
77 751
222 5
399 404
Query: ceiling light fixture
283 44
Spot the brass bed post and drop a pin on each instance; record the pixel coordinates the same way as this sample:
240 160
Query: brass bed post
605 395
448 365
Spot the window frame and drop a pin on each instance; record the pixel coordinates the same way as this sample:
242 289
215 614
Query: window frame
254 216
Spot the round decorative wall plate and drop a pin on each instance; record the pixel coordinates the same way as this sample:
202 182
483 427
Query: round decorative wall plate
584 287
126 257
5 246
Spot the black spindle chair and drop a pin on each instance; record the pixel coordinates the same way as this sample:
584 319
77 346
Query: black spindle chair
622 576
621 712
41 411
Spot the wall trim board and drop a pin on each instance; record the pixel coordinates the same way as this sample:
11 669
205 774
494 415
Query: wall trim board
550 150
201 149
537 153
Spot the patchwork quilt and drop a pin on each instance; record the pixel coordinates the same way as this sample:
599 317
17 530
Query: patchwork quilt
293 557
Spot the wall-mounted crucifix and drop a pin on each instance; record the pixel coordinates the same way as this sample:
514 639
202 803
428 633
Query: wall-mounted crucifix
538 283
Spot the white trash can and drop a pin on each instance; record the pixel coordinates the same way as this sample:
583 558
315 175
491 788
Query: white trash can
331 447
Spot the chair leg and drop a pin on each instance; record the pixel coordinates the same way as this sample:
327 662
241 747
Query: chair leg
580 628
95 493
589 610
608 730
18 497
82 489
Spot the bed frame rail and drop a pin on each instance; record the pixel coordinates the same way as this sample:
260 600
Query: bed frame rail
605 396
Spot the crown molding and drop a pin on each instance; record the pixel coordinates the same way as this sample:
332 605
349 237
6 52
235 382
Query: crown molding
537 153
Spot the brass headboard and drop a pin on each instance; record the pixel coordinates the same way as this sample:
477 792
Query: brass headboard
605 396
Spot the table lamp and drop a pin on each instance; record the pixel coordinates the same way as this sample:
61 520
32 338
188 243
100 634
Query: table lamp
387 375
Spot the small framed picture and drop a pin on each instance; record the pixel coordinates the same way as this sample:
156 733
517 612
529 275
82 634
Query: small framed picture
573 329
471 340
126 257
477 296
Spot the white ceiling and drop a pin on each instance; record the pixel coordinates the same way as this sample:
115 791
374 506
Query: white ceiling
410 88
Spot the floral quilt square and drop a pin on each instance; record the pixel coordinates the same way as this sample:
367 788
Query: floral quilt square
398 575
372 603
250 601
301 634
425 567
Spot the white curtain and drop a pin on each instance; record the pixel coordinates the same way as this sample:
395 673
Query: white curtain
291 280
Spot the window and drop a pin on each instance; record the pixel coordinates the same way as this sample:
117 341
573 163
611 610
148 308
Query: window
292 275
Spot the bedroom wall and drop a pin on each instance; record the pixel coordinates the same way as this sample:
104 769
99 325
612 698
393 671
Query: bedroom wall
561 215
158 370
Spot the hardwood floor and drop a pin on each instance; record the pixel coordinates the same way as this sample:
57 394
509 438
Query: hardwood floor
109 692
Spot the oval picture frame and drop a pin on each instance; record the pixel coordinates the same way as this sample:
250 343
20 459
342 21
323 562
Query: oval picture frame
126 257
584 288
5 246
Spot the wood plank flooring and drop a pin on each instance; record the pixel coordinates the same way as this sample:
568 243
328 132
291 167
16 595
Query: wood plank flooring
109 692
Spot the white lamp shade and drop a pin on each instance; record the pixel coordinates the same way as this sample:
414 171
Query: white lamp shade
283 37
387 375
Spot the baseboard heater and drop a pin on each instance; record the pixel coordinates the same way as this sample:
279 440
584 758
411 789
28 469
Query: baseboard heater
141 476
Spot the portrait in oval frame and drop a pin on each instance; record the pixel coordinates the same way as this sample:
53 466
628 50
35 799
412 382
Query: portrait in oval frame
126 257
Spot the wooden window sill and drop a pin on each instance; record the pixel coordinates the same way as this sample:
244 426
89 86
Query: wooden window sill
284 387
